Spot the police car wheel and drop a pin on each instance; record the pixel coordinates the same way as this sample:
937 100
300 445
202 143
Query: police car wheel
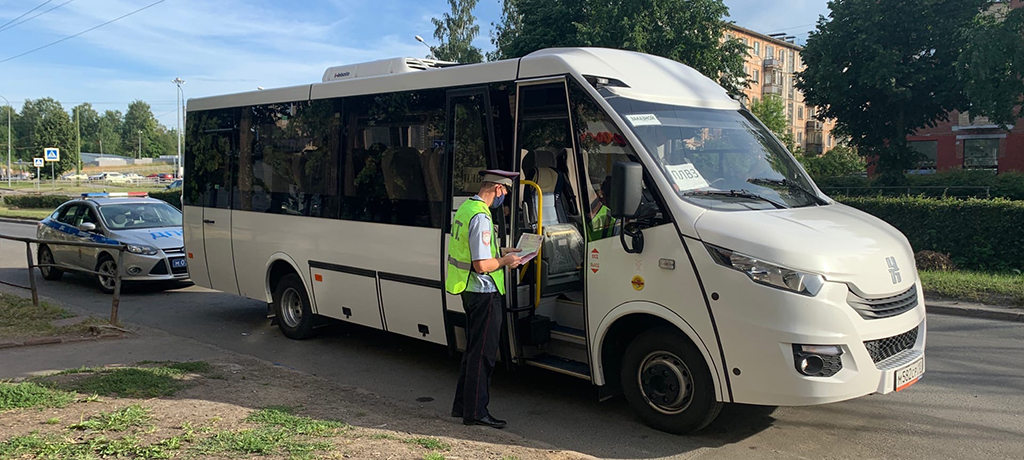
291 305
667 383
46 257
107 265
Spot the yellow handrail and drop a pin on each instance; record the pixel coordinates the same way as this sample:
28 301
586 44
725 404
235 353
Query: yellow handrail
540 231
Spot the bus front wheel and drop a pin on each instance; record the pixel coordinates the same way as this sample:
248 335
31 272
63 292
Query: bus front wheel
291 305
667 383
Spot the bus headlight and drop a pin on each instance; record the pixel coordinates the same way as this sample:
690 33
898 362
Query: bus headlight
141 249
768 273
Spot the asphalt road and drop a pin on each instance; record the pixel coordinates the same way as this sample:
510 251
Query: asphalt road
970 403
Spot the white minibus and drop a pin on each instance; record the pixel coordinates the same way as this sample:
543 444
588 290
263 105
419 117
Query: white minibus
686 261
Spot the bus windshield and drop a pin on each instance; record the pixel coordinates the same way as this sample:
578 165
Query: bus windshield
719 159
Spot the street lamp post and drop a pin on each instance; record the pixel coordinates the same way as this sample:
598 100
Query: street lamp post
9 141
181 96
431 55
140 144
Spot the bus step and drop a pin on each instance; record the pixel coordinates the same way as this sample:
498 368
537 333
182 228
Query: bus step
568 334
560 365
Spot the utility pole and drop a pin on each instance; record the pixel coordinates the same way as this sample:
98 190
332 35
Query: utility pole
180 105
140 145
9 141
78 144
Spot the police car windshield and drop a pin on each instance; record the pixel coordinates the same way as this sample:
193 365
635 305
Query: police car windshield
721 159
128 216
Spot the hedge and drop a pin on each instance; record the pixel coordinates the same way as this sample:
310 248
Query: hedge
1009 185
172 198
35 201
977 234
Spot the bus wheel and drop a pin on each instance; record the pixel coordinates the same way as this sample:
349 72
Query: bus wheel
667 383
295 316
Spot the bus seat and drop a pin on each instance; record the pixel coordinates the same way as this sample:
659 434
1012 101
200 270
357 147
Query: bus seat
562 251
403 174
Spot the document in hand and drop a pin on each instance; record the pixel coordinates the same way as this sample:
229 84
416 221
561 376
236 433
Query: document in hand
529 244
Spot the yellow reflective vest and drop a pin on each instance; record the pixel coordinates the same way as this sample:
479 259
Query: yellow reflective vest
460 261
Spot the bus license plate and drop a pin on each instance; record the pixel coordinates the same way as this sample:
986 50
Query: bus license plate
178 263
909 375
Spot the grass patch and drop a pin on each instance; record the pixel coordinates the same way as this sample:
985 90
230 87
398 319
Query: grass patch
283 418
32 214
134 416
20 319
994 288
428 443
433 456
278 431
31 395
134 382
34 445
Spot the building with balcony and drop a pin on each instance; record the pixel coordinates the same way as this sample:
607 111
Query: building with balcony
771 67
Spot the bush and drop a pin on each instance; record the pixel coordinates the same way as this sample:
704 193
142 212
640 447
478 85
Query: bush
977 234
1009 185
172 198
35 201
839 162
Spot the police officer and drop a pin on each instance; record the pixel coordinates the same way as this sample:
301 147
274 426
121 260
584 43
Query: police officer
476 272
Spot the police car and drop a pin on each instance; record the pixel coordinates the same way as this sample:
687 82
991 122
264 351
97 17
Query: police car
150 228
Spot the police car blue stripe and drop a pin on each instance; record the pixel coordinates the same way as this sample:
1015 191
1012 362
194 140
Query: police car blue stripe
70 230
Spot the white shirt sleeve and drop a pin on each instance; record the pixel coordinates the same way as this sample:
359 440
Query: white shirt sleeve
480 237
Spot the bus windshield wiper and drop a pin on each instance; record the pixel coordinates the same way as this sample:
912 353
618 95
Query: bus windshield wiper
788 184
742 193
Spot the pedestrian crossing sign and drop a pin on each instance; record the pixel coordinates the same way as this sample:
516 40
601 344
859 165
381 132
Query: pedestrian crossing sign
38 162
51 154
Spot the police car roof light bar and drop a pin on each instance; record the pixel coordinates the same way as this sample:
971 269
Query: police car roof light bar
115 195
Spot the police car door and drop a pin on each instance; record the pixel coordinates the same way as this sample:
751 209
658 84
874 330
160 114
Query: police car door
470 149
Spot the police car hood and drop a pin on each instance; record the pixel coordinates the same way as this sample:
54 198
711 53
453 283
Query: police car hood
161 237
842 243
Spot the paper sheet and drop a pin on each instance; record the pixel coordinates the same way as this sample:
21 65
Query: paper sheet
529 244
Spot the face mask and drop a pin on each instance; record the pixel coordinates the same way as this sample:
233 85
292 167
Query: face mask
498 201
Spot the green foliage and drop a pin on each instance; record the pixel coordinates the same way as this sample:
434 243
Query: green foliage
429 443
771 110
54 128
108 135
1009 185
140 126
455 32
886 69
992 288
433 456
688 31
31 395
133 416
20 318
35 201
173 197
839 162
283 418
135 382
992 65
977 234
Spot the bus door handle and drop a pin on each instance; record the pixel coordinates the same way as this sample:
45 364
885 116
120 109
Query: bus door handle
209 221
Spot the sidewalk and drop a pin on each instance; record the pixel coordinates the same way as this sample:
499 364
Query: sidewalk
974 310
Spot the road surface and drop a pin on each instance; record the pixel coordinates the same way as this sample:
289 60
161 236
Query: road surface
970 403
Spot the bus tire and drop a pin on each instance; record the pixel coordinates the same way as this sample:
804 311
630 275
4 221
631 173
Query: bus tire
292 307
667 382
46 257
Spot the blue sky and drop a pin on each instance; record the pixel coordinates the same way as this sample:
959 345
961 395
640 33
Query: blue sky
225 46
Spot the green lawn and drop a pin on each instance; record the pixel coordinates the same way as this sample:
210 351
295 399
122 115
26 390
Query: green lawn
34 214
20 319
992 288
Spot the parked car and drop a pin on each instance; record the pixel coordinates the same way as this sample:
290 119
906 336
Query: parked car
98 177
116 178
150 228
73 176
176 185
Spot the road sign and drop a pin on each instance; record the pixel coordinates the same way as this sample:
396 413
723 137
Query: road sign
37 162
51 154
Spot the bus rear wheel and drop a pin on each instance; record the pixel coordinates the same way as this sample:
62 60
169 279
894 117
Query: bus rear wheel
292 307
667 383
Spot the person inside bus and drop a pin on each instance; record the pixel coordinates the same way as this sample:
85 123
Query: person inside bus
476 272
601 224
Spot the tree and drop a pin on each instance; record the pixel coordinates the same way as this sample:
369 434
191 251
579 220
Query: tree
687 31
883 70
771 110
455 32
992 65
839 162
140 127
108 137
53 128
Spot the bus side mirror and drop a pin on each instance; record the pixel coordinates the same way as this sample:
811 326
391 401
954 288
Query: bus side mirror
627 189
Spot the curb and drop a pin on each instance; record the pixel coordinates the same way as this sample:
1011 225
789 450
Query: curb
57 340
1001 314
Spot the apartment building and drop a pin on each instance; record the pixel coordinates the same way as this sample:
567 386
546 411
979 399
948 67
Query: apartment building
967 142
771 67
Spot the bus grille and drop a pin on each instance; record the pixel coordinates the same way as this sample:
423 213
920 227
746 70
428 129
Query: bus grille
884 307
883 348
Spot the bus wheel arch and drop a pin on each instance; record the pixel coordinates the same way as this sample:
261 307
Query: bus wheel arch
628 321
278 266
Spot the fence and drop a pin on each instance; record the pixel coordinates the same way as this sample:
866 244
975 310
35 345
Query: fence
120 248
980 191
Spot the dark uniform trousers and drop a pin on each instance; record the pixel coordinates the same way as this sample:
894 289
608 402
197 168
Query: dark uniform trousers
483 333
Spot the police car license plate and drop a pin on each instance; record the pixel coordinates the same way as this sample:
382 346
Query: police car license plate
909 374
178 263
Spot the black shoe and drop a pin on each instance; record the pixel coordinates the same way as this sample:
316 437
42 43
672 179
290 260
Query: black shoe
456 413
486 421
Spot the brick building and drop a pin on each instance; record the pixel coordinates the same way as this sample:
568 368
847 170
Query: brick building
771 67
958 142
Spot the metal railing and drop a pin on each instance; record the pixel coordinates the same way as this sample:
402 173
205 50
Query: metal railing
908 190
120 248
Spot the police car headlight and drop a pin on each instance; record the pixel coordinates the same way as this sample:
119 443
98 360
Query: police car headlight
142 249
767 273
